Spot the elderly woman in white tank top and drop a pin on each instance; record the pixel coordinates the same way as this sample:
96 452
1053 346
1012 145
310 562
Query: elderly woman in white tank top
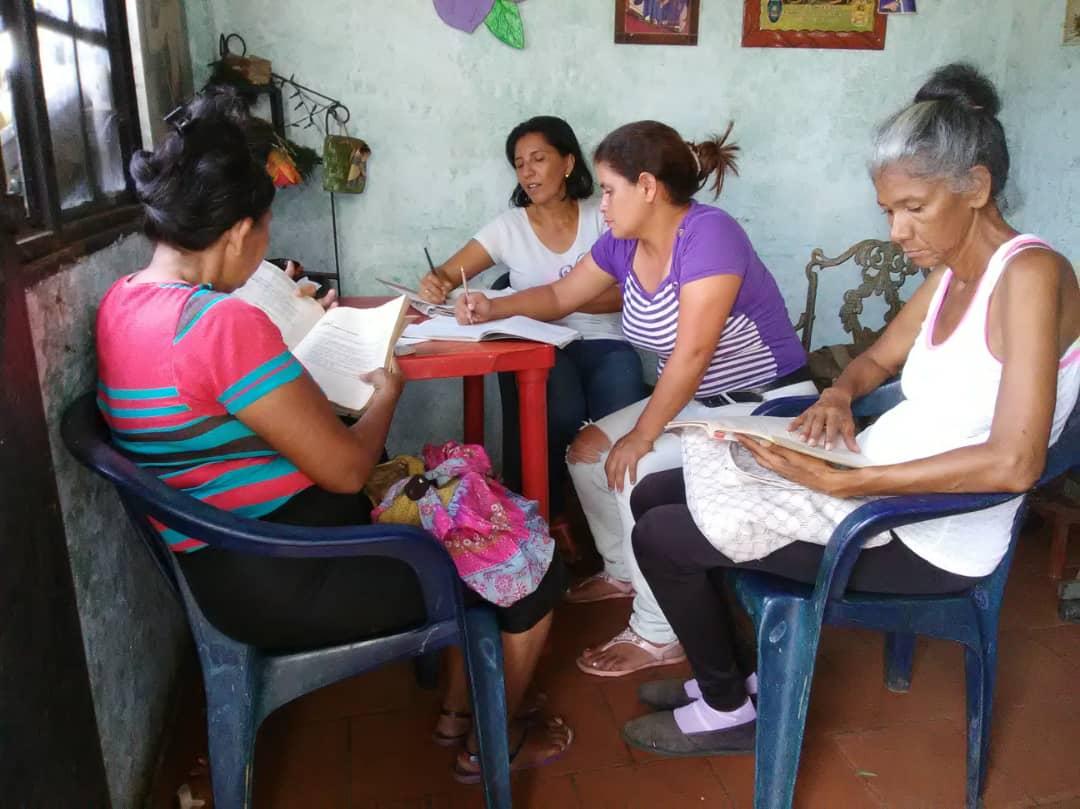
991 368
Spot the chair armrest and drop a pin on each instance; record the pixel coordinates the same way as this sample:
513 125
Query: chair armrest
877 516
145 494
876 402
789 406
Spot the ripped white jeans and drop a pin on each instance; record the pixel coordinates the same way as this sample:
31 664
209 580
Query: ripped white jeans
608 511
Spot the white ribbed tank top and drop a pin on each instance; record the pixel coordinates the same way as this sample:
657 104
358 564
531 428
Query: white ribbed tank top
950 392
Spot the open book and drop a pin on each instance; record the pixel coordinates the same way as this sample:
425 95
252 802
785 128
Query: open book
773 429
335 347
509 328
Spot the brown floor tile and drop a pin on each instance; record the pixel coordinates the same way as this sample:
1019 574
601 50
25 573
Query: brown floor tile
535 789
1028 672
1064 641
425 802
849 690
308 760
826 779
1033 549
423 770
923 765
392 688
1031 600
736 773
673 783
844 642
1037 746
1068 803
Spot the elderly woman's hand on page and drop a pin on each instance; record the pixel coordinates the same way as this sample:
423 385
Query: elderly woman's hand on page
827 420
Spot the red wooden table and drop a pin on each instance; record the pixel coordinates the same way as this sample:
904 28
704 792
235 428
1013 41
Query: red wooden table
530 362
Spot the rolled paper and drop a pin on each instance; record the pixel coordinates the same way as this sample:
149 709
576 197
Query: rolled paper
465 15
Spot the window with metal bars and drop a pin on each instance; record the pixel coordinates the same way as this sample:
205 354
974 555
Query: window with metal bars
68 116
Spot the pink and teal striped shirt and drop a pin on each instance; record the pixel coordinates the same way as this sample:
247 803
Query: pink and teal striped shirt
176 363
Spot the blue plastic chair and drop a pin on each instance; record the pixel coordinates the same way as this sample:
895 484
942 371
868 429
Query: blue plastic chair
245 684
788 616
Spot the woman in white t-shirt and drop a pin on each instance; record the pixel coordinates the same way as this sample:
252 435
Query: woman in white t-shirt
553 221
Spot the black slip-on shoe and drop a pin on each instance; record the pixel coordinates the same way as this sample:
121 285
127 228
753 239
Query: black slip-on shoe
658 733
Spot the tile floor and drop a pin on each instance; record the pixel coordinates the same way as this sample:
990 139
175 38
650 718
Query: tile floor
363 744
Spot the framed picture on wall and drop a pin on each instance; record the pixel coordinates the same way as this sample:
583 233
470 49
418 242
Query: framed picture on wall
1072 22
896 6
851 24
656 22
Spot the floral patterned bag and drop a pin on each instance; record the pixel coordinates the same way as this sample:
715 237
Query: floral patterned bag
499 542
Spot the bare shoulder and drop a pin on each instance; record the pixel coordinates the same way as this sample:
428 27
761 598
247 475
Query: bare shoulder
1040 281
1041 271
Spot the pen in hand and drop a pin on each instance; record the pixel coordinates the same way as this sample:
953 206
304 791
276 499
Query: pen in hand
465 287
430 263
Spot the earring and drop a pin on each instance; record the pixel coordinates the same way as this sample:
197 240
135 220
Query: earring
567 176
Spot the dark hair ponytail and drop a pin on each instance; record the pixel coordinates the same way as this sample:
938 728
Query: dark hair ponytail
683 167
203 177
715 156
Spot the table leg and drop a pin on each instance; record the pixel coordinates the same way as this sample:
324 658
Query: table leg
532 404
474 409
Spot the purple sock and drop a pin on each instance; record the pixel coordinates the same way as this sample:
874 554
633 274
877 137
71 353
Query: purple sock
693 690
698 717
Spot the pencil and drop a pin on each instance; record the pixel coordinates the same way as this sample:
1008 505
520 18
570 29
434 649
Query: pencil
465 287
430 263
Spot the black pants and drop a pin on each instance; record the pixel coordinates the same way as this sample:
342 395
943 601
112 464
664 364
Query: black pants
283 604
686 574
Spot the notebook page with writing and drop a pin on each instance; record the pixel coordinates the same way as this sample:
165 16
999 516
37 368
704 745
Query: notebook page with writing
513 328
773 429
270 289
349 342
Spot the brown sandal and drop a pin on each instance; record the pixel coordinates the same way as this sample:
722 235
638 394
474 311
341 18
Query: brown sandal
526 714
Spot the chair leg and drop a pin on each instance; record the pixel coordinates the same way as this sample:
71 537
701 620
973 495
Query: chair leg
980 686
787 648
483 658
231 727
899 655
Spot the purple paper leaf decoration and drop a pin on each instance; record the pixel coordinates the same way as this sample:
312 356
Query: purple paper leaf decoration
464 15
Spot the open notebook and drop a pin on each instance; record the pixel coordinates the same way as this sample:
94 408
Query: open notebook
335 346
509 328
773 429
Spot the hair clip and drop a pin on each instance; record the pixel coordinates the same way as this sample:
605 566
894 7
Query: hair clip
178 119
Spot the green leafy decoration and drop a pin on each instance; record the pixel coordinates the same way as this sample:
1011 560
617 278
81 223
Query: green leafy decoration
504 21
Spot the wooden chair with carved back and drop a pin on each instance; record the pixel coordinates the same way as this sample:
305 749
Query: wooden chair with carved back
883 269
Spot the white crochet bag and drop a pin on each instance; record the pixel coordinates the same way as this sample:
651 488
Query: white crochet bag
747 511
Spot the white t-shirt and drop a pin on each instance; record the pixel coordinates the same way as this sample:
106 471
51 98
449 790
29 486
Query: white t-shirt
510 240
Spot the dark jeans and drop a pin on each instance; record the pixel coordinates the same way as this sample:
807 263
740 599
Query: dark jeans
285 604
686 574
590 379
